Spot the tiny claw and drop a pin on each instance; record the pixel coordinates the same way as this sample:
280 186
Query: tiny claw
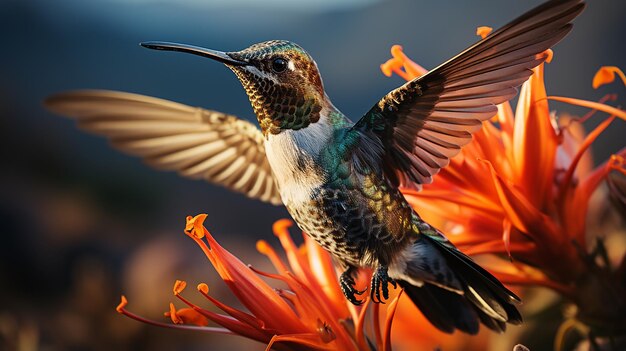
380 279
347 283
356 302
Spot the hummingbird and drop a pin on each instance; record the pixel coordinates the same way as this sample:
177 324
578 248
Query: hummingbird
340 180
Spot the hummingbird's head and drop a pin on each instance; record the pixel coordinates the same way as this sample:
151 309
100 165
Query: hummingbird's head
281 79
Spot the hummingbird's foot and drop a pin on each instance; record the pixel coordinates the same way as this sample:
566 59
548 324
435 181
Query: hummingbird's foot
380 279
346 281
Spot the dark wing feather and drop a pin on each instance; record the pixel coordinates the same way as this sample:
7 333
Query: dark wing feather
197 143
425 122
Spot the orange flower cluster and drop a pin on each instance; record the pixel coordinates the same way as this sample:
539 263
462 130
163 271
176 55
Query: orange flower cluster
310 313
521 188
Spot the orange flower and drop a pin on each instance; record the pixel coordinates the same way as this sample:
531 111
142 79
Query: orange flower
521 188
311 313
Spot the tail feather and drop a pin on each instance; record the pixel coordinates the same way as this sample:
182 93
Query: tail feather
483 289
475 270
481 296
445 309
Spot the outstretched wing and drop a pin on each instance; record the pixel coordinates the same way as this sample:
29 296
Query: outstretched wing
197 143
425 122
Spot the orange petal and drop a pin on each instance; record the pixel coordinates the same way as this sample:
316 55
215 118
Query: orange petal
606 75
391 311
378 336
522 214
506 118
254 293
303 271
360 326
483 31
518 249
506 236
535 142
323 269
296 262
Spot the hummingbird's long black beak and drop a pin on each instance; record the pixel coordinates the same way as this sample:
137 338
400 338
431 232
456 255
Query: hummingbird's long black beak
196 50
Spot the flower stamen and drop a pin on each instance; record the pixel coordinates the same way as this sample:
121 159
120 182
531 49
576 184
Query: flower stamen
121 308
606 75
483 31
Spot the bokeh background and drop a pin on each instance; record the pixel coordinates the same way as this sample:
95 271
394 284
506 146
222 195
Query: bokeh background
81 223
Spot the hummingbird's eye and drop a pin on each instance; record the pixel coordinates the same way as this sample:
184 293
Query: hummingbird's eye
279 65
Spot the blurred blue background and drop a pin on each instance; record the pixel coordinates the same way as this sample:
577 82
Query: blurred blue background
82 223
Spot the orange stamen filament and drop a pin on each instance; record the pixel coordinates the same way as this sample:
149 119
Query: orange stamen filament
590 104
266 274
230 323
125 312
307 339
590 114
237 314
591 137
